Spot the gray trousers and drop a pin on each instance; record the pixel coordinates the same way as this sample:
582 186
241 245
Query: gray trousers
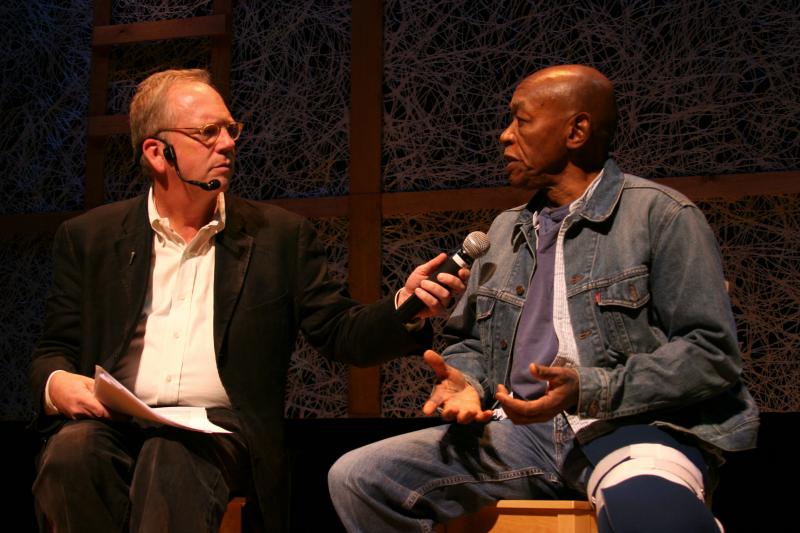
106 476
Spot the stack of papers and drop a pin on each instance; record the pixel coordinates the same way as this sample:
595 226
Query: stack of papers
116 397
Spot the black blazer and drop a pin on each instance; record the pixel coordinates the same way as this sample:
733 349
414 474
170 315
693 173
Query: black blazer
271 280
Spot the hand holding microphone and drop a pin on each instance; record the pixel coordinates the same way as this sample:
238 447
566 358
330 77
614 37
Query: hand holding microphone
475 245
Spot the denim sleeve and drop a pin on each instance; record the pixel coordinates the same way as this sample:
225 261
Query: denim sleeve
690 310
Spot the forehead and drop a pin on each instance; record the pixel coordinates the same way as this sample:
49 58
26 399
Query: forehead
198 102
539 94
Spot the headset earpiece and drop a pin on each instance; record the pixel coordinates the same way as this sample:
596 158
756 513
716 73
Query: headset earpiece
169 153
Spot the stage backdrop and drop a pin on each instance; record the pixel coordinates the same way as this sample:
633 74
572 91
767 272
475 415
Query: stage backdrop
705 88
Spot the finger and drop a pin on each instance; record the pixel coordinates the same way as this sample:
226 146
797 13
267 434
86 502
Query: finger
429 409
463 274
431 302
92 408
434 289
430 267
454 283
539 372
502 391
466 417
484 416
437 364
450 414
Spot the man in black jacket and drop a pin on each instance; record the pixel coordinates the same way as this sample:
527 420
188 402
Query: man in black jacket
189 297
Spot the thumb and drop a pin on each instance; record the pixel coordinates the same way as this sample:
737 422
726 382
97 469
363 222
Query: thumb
437 364
502 390
538 372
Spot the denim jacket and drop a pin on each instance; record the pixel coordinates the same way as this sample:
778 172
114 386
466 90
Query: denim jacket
650 316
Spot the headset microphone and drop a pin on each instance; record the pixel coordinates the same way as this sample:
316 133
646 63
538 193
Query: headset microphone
169 155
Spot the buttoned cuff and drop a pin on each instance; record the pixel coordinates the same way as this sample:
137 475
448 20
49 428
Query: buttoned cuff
49 406
414 325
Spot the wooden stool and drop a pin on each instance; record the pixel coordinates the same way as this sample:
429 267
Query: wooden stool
232 519
517 516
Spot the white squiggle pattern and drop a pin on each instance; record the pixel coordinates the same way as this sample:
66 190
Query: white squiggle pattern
703 87
317 387
760 242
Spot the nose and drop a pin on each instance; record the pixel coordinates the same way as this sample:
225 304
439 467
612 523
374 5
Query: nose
225 142
507 137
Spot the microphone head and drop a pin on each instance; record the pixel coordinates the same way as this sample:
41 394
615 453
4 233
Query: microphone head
476 244
212 185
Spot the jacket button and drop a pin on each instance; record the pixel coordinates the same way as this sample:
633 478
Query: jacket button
575 279
594 408
503 344
520 290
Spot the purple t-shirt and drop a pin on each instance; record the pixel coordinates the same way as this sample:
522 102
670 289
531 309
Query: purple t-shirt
536 340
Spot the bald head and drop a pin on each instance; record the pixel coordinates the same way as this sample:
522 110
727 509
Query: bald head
578 89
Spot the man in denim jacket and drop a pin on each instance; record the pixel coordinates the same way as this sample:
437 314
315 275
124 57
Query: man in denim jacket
601 313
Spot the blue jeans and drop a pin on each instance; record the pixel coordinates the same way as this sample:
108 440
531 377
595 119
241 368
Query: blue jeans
409 482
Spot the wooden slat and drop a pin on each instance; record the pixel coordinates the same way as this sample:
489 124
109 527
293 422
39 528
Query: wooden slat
364 279
394 204
332 206
734 186
32 223
406 203
94 182
106 125
727 186
366 121
221 46
207 26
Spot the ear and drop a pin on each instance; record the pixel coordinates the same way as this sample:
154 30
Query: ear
580 129
153 152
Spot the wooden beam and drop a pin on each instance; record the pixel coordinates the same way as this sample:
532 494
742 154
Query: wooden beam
107 125
365 218
221 46
331 206
728 186
408 203
94 183
32 223
138 32
734 186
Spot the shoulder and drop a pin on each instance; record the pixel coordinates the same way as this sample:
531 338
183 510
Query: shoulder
256 217
109 218
656 191
260 211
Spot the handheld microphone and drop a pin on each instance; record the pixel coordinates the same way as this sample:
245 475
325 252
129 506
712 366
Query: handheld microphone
475 245
169 155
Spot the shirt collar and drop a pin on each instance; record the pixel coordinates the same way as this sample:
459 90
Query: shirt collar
163 229
531 212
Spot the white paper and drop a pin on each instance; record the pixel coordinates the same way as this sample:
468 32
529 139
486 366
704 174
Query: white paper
116 397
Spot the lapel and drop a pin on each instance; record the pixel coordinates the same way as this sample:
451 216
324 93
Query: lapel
132 253
233 250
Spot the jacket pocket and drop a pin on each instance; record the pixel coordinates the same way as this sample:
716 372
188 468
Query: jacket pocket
622 311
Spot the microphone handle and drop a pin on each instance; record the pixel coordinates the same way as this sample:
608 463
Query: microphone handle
413 305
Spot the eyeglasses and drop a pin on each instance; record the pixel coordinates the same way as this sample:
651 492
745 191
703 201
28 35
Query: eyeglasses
208 133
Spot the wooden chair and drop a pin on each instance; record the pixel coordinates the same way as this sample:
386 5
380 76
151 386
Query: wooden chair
518 516
232 519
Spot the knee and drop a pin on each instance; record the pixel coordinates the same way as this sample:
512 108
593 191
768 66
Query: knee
650 487
343 472
72 453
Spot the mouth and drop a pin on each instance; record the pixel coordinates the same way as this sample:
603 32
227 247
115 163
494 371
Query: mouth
510 162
